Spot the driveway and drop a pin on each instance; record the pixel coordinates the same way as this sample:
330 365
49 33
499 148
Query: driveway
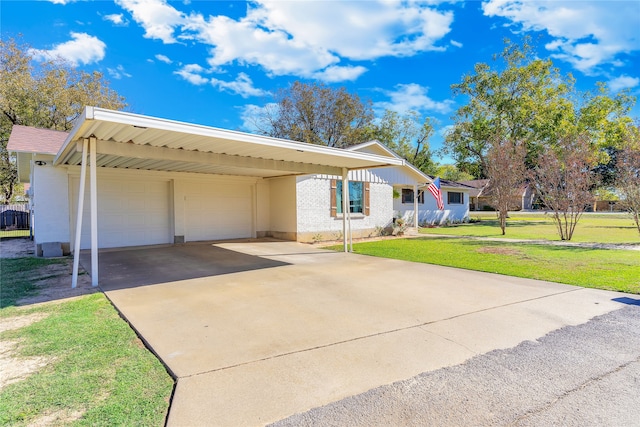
256 331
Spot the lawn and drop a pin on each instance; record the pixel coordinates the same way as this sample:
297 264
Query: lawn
97 371
617 270
598 228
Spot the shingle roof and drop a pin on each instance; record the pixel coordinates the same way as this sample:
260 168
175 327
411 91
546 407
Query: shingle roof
26 139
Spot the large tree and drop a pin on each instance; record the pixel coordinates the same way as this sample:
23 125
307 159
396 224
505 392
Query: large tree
506 172
408 136
317 114
564 180
523 98
628 176
49 94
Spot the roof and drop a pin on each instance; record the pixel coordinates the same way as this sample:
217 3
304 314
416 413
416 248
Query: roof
377 147
132 141
25 139
478 186
453 184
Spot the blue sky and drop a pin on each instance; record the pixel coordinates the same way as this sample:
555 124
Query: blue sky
216 62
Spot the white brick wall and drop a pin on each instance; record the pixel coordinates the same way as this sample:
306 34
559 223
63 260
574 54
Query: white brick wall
314 209
428 211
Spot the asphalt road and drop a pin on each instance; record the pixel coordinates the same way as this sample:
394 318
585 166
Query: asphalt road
585 375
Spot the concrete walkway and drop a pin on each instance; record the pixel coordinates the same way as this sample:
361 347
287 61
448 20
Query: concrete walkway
306 327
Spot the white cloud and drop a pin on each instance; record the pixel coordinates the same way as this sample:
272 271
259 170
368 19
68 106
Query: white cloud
61 1
412 97
455 43
337 73
623 82
157 17
116 19
163 58
242 85
587 34
193 74
309 39
252 116
118 72
82 49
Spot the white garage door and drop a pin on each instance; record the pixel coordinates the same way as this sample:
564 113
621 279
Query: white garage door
130 213
216 211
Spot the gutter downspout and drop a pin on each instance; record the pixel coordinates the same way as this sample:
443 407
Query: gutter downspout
76 246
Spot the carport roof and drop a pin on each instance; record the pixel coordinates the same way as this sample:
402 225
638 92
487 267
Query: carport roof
132 141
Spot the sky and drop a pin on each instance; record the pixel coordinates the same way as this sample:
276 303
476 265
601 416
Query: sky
217 63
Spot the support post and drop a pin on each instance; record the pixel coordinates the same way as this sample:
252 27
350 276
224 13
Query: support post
349 218
76 246
345 206
415 205
94 210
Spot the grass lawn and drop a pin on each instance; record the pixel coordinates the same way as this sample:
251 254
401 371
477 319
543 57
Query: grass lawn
97 371
597 228
616 270
20 276
14 233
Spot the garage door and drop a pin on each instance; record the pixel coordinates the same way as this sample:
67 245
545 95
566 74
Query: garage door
130 213
216 211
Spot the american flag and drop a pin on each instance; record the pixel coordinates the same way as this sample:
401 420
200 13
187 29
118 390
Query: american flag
434 188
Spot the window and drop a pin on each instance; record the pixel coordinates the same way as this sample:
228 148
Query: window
455 198
407 196
358 197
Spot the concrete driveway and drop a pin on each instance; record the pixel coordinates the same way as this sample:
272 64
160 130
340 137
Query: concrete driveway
256 331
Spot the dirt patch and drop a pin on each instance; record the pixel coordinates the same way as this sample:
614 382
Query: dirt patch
16 248
13 367
58 418
501 251
53 282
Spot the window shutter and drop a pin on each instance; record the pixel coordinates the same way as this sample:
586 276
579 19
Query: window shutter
334 207
367 198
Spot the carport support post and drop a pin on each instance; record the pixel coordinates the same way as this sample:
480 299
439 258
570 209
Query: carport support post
94 210
345 192
76 246
415 205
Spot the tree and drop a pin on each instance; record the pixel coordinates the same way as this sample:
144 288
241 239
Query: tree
527 99
564 180
628 178
50 94
506 172
451 173
407 135
316 114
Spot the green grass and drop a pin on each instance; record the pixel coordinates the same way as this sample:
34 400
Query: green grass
616 270
99 368
596 228
19 277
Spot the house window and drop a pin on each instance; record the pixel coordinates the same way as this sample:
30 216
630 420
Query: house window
455 198
358 197
407 196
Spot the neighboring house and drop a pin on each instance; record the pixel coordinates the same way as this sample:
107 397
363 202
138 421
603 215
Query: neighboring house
156 181
481 196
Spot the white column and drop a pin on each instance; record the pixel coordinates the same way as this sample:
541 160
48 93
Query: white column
415 205
345 206
76 246
94 210
349 217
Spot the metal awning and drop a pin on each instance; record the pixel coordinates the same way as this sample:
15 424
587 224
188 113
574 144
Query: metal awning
120 140
132 141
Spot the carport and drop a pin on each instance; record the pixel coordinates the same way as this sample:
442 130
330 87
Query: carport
121 142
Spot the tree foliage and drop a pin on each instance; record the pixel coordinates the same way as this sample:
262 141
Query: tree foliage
506 172
408 136
628 177
523 98
316 114
564 181
50 95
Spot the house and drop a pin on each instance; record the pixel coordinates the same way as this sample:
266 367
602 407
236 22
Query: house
156 181
480 196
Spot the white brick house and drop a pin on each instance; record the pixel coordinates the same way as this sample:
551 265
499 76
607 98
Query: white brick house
155 181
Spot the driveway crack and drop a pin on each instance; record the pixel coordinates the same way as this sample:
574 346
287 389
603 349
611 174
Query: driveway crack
391 331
